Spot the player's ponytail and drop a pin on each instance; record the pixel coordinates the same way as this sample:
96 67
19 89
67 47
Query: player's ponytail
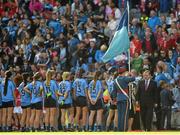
8 74
96 77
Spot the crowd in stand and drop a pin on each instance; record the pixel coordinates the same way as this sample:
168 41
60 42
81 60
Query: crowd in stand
52 76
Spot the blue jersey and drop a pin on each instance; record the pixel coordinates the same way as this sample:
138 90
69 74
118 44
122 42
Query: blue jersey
25 96
80 86
35 91
51 89
65 86
0 91
0 96
10 91
57 27
110 85
94 90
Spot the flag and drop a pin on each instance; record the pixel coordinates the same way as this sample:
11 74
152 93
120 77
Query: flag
120 42
124 20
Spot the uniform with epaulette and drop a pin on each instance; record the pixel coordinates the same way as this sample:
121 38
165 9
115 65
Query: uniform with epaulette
121 93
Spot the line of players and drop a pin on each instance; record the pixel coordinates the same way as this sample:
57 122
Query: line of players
78 98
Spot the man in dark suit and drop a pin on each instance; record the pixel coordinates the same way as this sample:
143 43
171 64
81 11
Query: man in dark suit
147 98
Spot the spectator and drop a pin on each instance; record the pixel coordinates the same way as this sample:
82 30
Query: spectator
92 52
171 19
176 107
166 103
164 6
147 65
100 53
149 43
153 21
37 38
35 6
163 41
112 24
172 28
137 63
160 76
172 60
55 25
63 55
117 12
133 28
108 9
136 46
162 55
172 41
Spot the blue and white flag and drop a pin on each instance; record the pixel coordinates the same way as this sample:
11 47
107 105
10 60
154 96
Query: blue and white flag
120 42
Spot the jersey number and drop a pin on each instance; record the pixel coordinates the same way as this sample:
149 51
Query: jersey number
22 92
78 84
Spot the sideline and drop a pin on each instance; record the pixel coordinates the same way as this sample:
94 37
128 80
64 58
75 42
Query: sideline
92 133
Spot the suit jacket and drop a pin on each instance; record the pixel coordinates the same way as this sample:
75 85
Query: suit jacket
149 96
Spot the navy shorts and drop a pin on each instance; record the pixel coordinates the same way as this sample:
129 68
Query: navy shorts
25 107
37 106
81 101
131 112
65 106
7 104
50 102
113 107
97 106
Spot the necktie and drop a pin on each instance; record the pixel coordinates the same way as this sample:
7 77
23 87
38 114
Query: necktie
146 84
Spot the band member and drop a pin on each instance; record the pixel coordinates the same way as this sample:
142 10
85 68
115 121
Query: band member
121 93
25 103
95 95
35 88
133 120
80 95
50 87
7 92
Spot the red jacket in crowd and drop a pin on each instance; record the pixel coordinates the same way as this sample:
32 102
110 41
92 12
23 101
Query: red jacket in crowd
136 47
10 7
165 43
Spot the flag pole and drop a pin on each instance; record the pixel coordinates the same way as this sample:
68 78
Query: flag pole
129 57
